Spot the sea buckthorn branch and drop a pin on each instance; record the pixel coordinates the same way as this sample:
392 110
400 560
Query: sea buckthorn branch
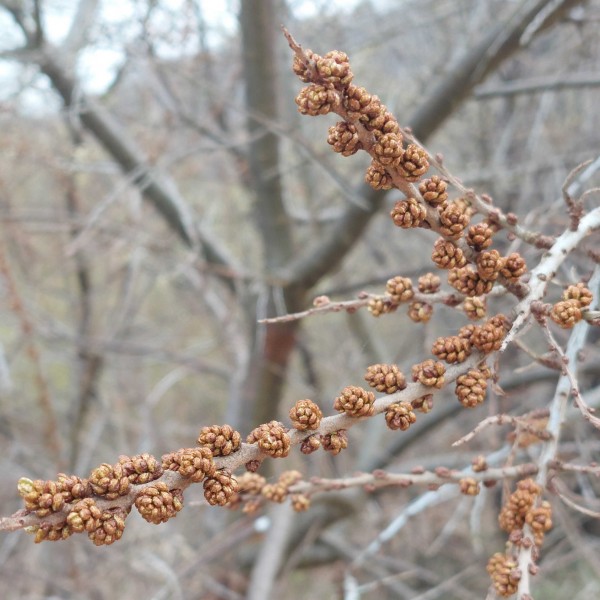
574 207
592 469
558 405
433 479
483 203
533 423
565 361
464 248
370 127
112 490
473 269
543 273
526 516
323 305
367 126
99 504
379 134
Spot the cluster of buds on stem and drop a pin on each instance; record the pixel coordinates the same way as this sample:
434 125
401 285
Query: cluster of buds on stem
99 504
526 518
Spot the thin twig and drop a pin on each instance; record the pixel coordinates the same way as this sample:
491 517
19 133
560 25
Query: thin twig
17 305
586 411
423 502
519 422
324 305
382 479
507 222
562 491
547 268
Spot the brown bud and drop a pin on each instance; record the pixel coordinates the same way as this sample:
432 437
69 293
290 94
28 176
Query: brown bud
447 255
221 440
385 378
306 415
400 289
452 349
413 163
420 312
469 486
429 283
479 236
377 177
400 416
471 388
429 373
343 138
434 191
355 402
408 213
335 442
220 488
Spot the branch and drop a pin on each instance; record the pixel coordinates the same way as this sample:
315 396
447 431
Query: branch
457 84
521 423
161 193
248 452
573 500
322 304
556 419
83 21
382 479
431 498
258 30
547 268
484 206
586 411
535 85
478 62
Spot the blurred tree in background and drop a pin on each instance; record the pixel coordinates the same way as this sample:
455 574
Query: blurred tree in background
160 194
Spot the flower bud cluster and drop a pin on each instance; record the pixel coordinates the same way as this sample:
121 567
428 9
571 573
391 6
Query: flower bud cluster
221 440
504 574
278 491
192 463
157 504
45 497
355 402
368 125
523 508
568 312
514 513
400 415
306 415
385 378
76 499
272 438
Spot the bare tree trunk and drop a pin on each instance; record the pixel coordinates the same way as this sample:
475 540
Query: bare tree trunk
273 344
